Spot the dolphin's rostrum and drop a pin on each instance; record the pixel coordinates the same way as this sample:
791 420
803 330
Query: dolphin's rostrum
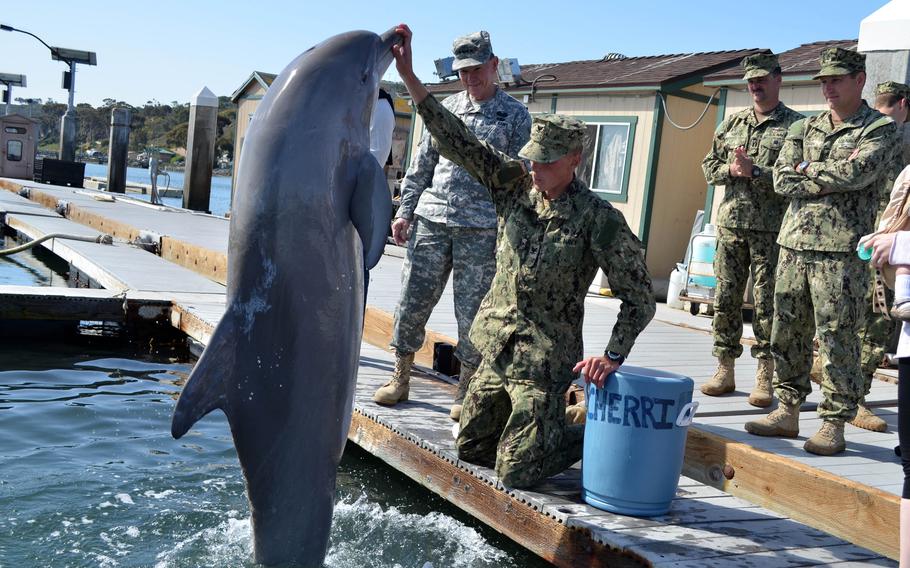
311 205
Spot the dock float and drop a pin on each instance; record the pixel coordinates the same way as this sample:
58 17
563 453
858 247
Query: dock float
743 501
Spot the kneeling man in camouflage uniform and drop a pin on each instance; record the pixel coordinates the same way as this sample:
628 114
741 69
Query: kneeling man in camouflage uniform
553 235
830 167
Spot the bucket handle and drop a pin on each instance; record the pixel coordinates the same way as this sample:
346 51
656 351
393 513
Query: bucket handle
686 414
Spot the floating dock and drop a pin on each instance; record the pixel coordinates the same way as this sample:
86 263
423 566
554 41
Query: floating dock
743 500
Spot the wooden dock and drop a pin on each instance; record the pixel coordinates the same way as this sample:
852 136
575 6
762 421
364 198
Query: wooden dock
745 501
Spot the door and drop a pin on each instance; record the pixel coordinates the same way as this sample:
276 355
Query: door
17 152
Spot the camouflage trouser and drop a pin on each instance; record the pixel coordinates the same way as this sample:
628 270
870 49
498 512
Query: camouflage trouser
434 251
875 334
819 293
517 425
737 249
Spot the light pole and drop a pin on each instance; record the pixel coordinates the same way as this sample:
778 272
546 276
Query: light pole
71 57
11 80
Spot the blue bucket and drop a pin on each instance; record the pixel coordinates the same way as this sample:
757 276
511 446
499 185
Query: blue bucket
635 440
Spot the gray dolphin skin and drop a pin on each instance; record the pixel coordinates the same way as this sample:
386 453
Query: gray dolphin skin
311 207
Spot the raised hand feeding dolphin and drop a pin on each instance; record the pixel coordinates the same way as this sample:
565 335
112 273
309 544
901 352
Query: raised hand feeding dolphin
311 207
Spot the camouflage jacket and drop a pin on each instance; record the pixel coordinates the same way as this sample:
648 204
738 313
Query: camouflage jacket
749 203
440 191
836 199
547 253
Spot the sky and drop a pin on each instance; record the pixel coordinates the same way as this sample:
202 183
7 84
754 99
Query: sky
168 50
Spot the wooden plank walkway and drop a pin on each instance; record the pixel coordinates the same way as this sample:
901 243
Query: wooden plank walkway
706 527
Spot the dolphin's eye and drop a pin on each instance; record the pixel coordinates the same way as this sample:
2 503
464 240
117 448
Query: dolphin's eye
364 77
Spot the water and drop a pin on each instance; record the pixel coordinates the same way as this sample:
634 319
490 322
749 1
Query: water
36 266
219 199
90 476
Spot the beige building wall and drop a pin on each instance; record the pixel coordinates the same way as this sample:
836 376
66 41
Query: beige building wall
680 187
640 106
246 105
801 98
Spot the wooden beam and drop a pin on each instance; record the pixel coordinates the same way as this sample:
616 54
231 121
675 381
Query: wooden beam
860 514
377 330
543 535
77 304
209 263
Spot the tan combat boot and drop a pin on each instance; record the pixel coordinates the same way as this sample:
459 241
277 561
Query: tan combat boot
467 373
398 388
722 382
762 394
866 420
829 439
784 421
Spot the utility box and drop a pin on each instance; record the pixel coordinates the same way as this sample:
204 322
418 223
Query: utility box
60 172
18 144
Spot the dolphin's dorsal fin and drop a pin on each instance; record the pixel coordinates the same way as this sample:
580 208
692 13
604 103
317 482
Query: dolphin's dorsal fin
371 208
204 390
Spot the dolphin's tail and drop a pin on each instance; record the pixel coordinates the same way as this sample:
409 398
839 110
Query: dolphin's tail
204 390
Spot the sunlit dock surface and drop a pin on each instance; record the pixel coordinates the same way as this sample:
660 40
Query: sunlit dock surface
744 500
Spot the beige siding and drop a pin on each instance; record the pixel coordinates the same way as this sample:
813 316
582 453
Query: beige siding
640 106
246 106
680 186
801 98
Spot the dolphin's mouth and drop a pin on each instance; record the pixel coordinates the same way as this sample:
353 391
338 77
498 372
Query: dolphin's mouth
384 56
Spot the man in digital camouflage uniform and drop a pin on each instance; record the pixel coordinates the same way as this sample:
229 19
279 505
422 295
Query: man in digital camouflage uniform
451 220
554 233
830 168
742 159
891 99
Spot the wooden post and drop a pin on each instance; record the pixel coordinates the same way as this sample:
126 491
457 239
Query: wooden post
200 151
117 151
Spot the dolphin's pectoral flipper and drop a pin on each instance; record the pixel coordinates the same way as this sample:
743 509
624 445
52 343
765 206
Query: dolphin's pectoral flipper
371 209
204 390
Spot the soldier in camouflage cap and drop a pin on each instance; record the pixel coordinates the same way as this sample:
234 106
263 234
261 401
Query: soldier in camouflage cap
741 160
472 49
837 61
830 167
759 65
552 137
448 222
899 90
876 333
554 233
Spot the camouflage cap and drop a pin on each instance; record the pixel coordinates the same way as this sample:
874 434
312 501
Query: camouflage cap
893 88
759 65
840 61
472 49
552 137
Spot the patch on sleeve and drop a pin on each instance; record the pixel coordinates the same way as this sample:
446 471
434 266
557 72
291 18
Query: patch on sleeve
797 129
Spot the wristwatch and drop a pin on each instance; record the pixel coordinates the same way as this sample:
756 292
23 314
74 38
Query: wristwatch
756 171
616 357
801 168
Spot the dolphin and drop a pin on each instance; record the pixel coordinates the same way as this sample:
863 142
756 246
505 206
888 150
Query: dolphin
311 208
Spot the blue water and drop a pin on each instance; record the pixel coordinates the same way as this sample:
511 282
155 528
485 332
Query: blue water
220 196
90 476
33 267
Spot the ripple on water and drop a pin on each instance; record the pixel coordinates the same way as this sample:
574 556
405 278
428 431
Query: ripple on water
92 477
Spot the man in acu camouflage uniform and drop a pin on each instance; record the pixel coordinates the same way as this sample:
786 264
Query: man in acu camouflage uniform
451 220
830 167
891 99
742 159
554 233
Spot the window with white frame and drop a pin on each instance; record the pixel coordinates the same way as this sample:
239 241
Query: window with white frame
607 153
